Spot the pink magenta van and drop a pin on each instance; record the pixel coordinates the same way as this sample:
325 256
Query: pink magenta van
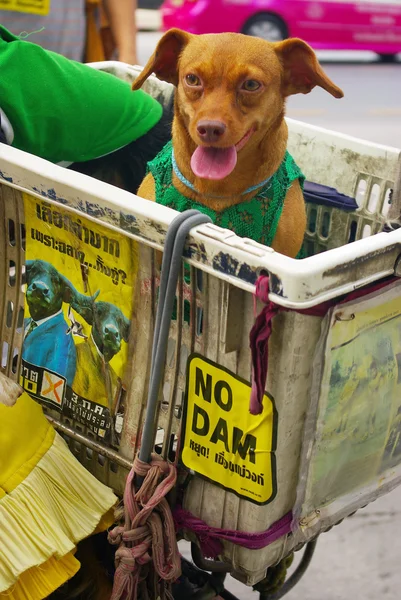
325 24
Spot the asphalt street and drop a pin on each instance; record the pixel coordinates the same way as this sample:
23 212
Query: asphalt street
359 559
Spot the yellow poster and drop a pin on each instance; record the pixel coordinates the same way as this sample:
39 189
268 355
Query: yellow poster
79 281
222 440
34 7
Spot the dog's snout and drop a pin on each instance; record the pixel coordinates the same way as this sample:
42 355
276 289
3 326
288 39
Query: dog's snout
40 288
111 331
210 131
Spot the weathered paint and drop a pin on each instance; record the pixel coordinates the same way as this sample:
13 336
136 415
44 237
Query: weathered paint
224 263
5 177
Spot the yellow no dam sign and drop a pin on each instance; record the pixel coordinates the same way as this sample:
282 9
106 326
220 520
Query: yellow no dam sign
223 442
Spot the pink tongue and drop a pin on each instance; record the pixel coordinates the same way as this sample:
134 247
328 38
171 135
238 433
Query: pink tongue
213 163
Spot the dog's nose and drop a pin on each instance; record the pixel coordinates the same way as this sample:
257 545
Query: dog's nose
210 131
40 287
111 331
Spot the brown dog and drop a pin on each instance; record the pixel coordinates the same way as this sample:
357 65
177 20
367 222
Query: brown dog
229 132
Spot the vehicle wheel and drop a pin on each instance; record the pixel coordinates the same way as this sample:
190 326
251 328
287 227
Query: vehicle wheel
267 27
387 58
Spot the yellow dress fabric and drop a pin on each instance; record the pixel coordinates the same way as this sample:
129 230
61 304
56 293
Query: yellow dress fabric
40 582
48 503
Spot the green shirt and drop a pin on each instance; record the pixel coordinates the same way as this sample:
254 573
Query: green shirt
62 110
256 219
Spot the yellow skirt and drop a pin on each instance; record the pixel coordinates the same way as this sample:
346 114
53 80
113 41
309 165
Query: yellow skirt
48 503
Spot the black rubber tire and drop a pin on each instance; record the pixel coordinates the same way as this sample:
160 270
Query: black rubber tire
387 59
266 19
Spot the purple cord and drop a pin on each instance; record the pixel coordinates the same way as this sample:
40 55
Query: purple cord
209 537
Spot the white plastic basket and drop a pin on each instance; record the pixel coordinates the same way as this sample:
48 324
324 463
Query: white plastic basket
224 269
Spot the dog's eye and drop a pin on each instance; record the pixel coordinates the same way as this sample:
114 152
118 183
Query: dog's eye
192 79
251 85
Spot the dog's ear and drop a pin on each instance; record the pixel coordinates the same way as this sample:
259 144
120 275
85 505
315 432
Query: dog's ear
125 328
163 62
302 71
83 305
28 268
86 312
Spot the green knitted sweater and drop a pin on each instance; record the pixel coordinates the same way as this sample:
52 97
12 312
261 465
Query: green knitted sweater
256 219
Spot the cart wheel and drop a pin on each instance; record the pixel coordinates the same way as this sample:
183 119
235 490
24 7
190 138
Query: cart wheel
266 26
387 58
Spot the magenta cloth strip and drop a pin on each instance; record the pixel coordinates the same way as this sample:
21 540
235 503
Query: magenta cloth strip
209 537
258 339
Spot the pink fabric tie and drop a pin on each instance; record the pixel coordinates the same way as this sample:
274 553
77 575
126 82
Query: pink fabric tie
148 551
259 340
210 537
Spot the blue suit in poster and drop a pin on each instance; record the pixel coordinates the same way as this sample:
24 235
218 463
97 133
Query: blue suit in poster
48 342
49 345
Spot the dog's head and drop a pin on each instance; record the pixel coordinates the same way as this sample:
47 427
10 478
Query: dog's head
47 289
109 326
231 90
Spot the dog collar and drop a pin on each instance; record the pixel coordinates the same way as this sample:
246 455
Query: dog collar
190 185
